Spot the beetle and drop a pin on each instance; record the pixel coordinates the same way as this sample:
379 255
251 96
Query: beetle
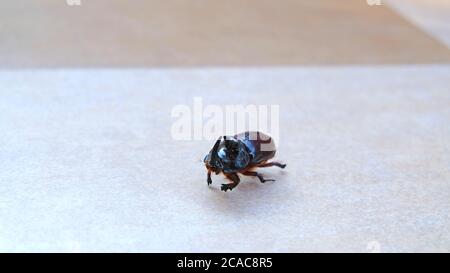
241 154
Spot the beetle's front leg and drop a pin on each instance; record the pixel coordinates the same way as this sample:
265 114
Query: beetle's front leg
233 177
260 177
208 179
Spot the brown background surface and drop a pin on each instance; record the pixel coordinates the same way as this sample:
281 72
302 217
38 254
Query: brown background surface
51 33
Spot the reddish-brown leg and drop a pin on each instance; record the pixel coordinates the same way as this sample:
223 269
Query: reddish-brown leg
235 181
270 164
208 179
260 177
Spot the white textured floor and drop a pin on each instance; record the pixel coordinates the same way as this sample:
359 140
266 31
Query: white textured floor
87 162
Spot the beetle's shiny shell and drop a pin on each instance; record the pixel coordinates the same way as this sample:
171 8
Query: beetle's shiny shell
259 145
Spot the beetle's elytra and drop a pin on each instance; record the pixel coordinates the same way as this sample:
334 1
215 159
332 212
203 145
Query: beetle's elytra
241 154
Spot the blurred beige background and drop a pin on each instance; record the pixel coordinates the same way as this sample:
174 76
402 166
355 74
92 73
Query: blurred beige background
144 33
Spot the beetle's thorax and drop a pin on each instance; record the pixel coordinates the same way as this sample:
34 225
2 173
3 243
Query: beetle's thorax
233 155
228 155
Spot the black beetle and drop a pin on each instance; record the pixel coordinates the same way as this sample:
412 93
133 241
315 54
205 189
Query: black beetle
241 154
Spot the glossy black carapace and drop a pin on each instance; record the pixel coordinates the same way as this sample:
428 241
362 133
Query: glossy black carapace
241 153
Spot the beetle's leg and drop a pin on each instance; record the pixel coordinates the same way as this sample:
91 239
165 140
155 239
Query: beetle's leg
261 178
233 177
208 180
270 164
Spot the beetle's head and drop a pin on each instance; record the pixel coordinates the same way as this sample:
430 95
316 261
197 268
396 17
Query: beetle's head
229 155
212 160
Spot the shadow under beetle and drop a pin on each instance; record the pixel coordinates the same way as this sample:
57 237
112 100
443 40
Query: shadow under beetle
241 153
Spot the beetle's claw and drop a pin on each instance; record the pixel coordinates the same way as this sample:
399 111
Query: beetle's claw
226 187
267 180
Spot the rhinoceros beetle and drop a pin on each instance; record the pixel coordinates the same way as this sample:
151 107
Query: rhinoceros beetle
241 153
